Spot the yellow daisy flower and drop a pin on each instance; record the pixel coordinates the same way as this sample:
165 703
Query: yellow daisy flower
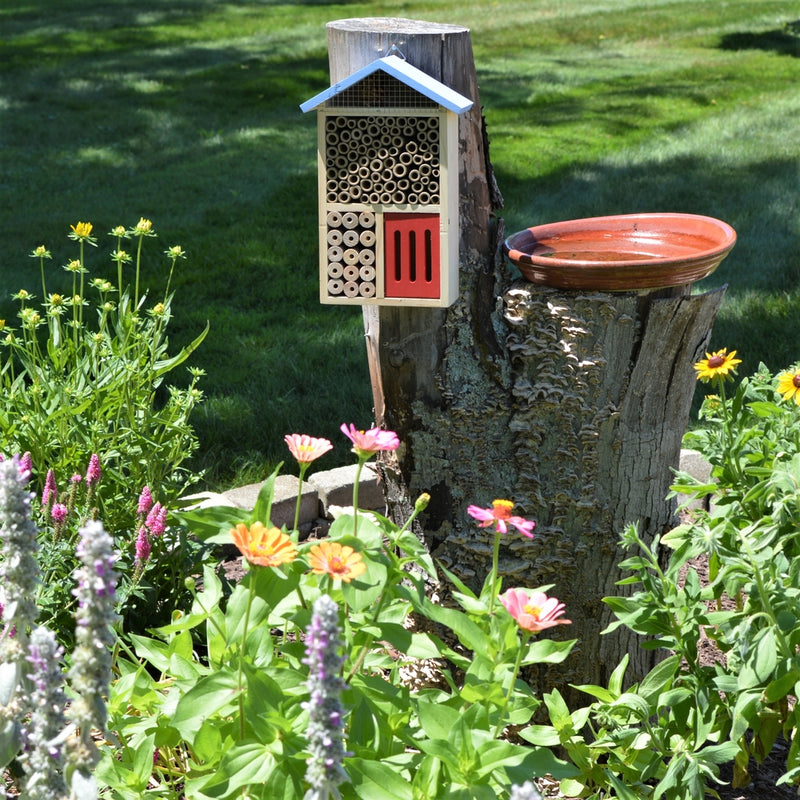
789 385
721 364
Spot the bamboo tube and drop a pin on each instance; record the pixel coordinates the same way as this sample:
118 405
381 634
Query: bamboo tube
413 175
355 193
389 185
374 131
335 286
376 165
363 171
343 197
350 238
350 256
403 184
367 290
399 170
366 185
412 199
331 186
330 124
335 269
411 147
366 219
341 162
424 170
334 237
434 198
334 219
335 253
399 198
374 199
350 219
406 158
386 198
331 139
351 289
366 257
367 239
424 198
367 272
331 197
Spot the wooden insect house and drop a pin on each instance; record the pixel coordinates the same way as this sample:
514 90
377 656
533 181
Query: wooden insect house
388 187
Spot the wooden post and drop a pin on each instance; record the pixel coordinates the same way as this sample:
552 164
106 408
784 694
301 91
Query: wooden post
570 404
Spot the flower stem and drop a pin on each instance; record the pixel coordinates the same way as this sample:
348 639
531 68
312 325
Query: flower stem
303 468
525 636
361 462
240 671
495 559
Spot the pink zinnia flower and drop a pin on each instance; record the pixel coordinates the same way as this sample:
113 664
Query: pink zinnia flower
156 520
59 513
142 546
49 493
306 449
367 443
93 472
500 514
533 612
145 502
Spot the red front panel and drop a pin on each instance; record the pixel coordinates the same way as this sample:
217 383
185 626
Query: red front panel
411 255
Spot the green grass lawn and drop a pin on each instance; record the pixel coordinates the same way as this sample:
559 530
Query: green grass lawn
186 112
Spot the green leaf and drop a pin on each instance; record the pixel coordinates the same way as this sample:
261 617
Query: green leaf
377 780
263 508
208 696
547 651
166 365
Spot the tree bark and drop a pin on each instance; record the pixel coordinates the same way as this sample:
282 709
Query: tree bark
570 404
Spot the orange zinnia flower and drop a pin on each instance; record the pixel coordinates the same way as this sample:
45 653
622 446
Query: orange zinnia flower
267 547
338 561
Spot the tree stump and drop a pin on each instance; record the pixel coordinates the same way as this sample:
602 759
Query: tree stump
570 404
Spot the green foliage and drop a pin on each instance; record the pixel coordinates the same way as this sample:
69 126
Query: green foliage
83 380
666 737
80 378
212 704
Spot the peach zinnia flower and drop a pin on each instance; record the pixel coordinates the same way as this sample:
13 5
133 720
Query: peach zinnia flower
500 514
306 449
534 612
267 547
717 365
367 443
331 558
789 385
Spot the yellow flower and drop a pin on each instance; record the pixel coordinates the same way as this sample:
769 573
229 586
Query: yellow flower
718 364
83 230
143 228
331 558
158 310
41 252
268 547
789 385
118 231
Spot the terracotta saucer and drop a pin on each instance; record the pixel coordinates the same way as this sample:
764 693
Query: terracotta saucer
627 252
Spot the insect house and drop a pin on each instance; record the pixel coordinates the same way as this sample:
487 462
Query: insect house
388 187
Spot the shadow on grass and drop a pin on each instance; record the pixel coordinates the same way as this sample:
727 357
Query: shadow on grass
784 41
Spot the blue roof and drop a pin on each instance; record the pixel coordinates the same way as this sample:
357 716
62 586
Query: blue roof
403 71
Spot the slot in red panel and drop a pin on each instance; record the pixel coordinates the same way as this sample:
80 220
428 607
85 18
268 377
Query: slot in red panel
411 255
